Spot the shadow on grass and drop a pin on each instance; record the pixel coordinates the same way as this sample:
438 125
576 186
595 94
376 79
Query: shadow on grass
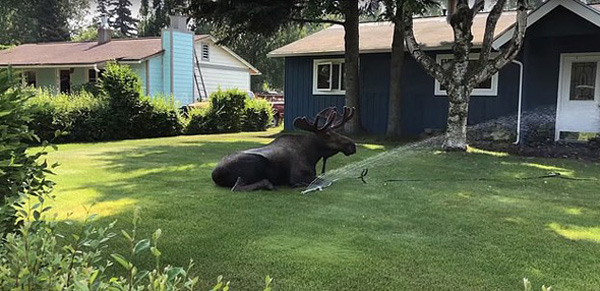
416 235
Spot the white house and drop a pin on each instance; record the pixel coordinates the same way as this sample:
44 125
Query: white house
219 67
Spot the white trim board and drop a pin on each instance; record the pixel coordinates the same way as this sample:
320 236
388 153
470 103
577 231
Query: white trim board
236 56
588 13
563 59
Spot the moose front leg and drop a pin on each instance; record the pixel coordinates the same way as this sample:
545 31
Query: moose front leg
324 163
263 184
302 178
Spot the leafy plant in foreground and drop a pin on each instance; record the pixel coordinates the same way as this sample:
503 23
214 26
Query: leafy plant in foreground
33 258
21 172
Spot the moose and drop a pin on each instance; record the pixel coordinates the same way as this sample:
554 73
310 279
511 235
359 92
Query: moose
290 159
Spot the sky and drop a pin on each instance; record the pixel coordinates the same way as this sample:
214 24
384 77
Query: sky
135 9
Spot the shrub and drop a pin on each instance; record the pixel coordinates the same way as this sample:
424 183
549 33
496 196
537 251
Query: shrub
258 115
134 116
227 109
124 90
21 173
33 259
157 117
82 116
230 111
200 122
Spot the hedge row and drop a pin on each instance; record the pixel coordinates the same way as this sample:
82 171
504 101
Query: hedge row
120 111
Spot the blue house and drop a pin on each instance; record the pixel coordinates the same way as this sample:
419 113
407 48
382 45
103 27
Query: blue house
558 68
180 64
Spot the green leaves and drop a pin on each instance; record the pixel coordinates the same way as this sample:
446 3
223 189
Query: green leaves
122 261
141 246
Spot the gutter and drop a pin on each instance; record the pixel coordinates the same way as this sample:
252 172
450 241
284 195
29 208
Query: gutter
520 106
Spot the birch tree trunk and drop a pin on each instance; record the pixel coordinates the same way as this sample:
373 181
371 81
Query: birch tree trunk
351 46
458 90
394 126
458 111
458 76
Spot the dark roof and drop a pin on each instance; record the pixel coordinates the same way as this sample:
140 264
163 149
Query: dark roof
430 32
82 53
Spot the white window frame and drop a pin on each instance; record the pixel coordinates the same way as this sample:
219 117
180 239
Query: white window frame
330 91
202 56
477 91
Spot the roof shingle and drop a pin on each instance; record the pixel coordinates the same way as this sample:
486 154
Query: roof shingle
82 53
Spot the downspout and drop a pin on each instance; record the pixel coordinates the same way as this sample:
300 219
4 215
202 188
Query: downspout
520 107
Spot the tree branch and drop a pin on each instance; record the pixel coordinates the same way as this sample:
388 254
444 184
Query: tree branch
507 54
305 20
488 36
477 6
429 64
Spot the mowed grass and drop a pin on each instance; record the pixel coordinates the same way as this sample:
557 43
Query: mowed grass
430 235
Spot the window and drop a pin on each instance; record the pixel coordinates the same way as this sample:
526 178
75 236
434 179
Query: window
92 76
583 81
205 52
329 77
488 87
29 78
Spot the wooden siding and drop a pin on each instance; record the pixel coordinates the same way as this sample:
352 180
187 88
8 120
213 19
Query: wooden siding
225 78
421 108
166 61
46 78
217 55
561 31
183 67
140 71
179 54
155 68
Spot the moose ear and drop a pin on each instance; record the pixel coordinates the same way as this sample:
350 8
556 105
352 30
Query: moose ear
303 124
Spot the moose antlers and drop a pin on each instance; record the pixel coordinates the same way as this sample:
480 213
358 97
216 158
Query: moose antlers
333 120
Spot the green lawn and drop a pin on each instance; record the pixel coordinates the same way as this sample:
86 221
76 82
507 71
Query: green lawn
444 235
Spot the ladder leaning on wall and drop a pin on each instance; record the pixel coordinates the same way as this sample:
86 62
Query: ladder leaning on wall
199 80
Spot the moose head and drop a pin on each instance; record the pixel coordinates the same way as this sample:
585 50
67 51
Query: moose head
289 159
327 129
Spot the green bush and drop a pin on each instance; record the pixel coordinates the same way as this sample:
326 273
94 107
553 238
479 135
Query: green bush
227 109
230 111
131 115
81 115
157 117
258 115
200 121
33 259
119 111
21 173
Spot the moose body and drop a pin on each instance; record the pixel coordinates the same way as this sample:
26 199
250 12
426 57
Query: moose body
289 160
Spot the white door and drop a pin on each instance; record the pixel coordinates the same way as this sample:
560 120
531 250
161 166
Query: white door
578 108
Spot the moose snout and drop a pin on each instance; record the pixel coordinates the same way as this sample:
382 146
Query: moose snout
350 150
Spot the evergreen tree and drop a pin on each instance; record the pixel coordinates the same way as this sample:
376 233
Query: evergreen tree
52 21
124 24
102 7
157 17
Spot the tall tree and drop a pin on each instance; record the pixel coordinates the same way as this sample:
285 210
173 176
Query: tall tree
254 48
158 13
395 11
250 16
102 7
30 21
53 25
460 75
124 24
